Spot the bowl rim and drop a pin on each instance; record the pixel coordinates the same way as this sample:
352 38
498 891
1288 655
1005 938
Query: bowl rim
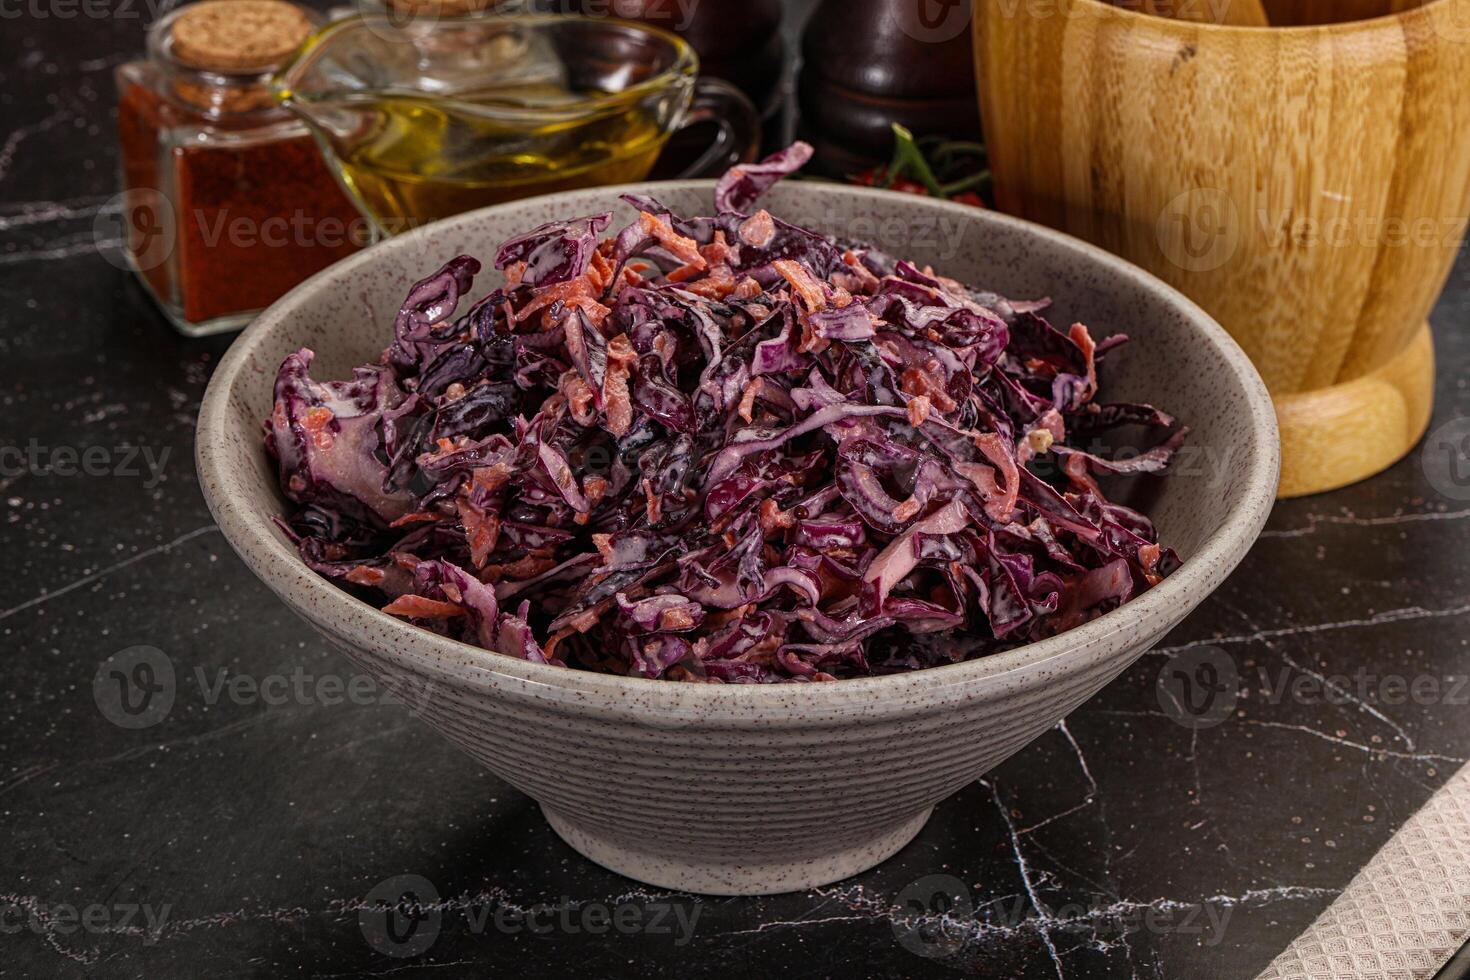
1173 25
309 594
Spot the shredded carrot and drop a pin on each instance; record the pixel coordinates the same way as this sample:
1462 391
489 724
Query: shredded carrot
578 393
773 518
481 530
603 543
758 229
807 289
616 401
594 488
863 273
747 398
687 271
653 506
684 249
1083 339
922 381
995 449
363 575
600 271
315 421
675 619
491 477
521 568
717 285
918 408
746 288
717 252
906 510
420 607
1076 469
417 517
578 292
810 341
1148 558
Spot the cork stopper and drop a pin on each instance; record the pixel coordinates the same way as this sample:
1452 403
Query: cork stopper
238 35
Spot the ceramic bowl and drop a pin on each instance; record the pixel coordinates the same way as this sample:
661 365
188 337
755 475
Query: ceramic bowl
730 789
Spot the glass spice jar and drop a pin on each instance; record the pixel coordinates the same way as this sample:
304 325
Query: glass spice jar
227 201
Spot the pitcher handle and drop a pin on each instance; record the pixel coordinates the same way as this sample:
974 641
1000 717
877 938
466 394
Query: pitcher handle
727 107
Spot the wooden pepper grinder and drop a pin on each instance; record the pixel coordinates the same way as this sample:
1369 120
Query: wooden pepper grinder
867 64
738 42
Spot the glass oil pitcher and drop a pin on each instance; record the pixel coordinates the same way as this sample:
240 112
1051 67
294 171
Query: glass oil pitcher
429 119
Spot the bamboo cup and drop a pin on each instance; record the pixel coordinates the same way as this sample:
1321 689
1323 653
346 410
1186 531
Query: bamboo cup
1306 185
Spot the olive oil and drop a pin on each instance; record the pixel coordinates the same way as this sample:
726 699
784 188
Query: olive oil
425 158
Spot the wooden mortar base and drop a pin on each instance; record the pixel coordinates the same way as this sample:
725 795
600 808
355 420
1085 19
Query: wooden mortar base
1335 436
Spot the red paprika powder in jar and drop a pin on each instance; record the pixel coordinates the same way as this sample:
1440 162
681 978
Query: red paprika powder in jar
227 200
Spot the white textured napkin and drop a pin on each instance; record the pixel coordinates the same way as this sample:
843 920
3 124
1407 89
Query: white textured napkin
1406 913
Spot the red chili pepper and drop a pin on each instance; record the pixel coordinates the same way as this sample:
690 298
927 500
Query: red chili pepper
909 187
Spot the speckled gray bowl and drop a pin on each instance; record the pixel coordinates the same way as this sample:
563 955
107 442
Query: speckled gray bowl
760 789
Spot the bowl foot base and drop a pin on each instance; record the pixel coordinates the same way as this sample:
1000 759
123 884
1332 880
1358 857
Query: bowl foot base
1335 436
725 878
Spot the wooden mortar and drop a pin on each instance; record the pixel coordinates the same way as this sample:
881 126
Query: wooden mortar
1306 185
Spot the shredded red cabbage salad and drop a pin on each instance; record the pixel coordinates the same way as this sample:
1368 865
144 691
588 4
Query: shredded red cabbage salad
723 449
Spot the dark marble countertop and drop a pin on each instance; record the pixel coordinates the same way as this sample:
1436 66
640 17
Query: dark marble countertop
244 832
